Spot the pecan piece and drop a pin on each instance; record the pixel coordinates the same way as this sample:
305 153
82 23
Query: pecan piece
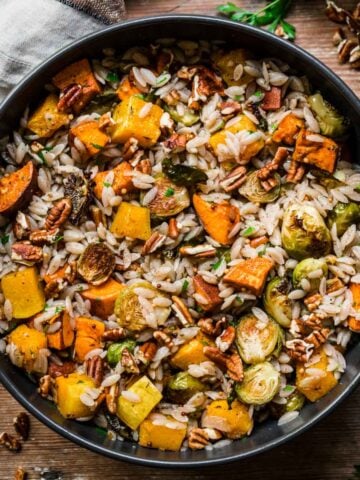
199 251
198 439
209 82
266 172
181 311
45 384
10 442
69 97
105 121
234 179
128 362
56 370
22 229
144 166
111 398
147 352
115 334
216 356
58 214
186 73
177 142
44 237
163 339
26 253
173 230
153 243
313 301
225 340
130 148
172 98
210 327
345 48
234 367
296 172
333 284
20 474
299 350
318 337
22 425
94 368
229 107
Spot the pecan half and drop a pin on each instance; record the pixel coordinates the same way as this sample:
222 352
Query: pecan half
265 173
44 237
296 172
10 442
153 243
212 327
299 350
225 340
111 398
335 13
58 214
22 425
26 253
216 356
234 368
318 337
115 334
94 368
147 352
338 36
163 338
128 362
45 384
209 82
199 251
181 311
69 97
173 230
198 439
234 179
20 474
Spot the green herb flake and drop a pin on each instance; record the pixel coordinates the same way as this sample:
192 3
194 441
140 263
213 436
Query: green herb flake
217 264
58 238
107 184
112 77
4 239
288 388
248 232
140 95
59 310
185 286
99 147
169 192
40 154
258 93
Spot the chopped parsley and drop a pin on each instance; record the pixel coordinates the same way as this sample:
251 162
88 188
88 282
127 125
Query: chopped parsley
112 77
140 95
239 98
169 192
185 286
99 147
217 264
258 93
58 238
288 388
59 309
248 231
4 239
40 154
107 184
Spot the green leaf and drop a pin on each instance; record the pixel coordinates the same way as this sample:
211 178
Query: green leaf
112 77
107 184
217 264
249 231
4 239
58 238
289 30
42 158
185 286
169 192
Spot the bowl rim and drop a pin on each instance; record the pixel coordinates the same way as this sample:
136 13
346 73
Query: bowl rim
334 80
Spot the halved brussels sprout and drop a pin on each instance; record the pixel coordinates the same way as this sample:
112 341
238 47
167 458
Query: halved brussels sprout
295 401
183 174
96 263
257 340
182 386
276 301
331 122
304 268
115 351
129 311
326 180
188 118
344 215
254 192
260 385
304 233
170 199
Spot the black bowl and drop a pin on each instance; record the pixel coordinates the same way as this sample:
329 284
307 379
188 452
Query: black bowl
144 31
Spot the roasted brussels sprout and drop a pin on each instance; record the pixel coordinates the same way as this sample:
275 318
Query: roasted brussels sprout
96 263
304 233
129 311
256 340
170 199
326 180
103 102
182 386
183 174
76 187
331 122
344 215
306 267
276 301
254 192
115 351
294 401
188 118
260 385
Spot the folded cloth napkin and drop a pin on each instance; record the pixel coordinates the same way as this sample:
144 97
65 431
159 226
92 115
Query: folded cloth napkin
30 31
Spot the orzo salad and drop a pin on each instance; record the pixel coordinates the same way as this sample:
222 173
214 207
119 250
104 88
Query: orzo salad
179 244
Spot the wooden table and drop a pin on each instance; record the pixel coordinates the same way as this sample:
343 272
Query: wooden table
326 452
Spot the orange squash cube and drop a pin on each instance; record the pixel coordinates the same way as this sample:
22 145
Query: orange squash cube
91 136
64 337
288 129
250 274
102 297
121 181
320 154
88 336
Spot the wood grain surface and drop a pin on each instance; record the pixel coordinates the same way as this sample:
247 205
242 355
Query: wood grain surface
326 452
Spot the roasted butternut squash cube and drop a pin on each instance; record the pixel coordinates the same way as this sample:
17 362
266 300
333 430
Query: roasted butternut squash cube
132 413
47 119
226 63
91 136
88 336
209 292
250 274
24 290
68 391
102 297
64 337
78 73
17 189
322 154
126 89
219 138
233 420
167 436
315 381
288 129
192 352
132 221
354 323
131 122
122 182
218 219
28 342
